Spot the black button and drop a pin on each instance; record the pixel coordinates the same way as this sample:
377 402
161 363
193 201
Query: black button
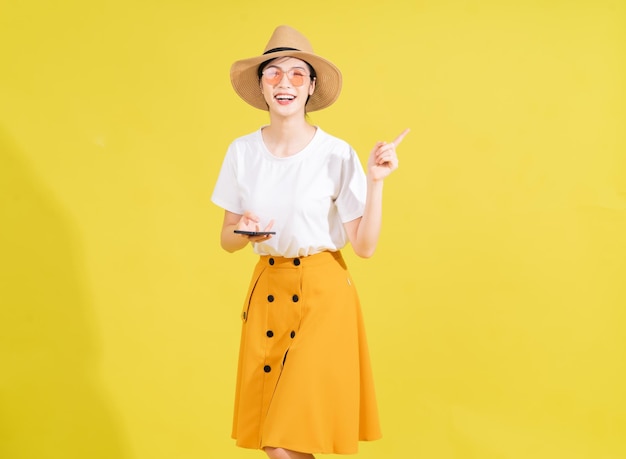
296 261
270 298
267 368
295 298
293 334
269 333
271 261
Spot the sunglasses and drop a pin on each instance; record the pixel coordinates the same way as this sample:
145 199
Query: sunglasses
274 75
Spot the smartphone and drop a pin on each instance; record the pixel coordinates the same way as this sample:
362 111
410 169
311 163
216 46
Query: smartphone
255 233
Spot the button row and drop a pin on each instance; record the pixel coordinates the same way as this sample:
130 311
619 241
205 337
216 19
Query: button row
296 261
270 334
294 298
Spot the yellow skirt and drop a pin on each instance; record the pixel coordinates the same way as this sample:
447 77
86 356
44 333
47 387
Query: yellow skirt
304 379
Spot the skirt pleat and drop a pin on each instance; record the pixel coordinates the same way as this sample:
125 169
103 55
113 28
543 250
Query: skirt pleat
304 379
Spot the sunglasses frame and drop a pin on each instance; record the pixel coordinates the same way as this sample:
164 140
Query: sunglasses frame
280 73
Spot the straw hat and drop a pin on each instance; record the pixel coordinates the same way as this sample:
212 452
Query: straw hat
286 41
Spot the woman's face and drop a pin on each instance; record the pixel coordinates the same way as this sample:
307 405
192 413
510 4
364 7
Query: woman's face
286 85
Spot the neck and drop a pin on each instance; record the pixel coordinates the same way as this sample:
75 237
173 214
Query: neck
288 126
287 136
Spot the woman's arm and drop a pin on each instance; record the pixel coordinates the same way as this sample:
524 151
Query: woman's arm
363 232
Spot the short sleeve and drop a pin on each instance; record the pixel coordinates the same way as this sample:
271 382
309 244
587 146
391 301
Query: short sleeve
226 193
350 200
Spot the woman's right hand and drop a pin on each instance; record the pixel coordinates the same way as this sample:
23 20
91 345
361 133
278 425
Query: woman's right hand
250 222
232 241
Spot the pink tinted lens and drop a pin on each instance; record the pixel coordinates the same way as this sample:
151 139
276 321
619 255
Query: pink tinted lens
273 76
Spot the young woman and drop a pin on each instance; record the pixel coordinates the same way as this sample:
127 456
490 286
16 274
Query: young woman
299 195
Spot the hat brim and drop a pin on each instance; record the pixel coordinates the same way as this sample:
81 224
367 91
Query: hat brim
245 81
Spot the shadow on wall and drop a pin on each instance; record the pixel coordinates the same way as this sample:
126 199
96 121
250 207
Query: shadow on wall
50 402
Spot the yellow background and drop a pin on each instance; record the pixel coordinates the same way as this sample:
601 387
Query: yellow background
495 304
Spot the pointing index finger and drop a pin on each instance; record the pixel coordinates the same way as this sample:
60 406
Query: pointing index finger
398 139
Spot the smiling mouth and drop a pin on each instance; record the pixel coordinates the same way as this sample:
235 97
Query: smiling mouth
283 97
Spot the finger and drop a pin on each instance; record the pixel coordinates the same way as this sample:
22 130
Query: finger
398 139
384 149
260 237
387 151
269 225
379 145
250 216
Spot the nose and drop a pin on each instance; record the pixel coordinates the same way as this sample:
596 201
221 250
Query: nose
283 78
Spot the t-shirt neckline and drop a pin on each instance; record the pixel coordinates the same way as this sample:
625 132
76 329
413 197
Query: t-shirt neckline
297 156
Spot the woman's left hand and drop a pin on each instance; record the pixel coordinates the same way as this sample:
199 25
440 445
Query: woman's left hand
383 159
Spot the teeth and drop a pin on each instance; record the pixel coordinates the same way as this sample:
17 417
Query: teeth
285 97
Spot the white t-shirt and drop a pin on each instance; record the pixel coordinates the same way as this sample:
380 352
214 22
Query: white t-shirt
309 195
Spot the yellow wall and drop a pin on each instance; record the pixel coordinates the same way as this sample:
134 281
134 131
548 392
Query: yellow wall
495 304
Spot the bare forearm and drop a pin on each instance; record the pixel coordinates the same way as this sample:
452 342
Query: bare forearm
230 241
368 230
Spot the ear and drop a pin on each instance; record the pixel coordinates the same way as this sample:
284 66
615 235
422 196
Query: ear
312 86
